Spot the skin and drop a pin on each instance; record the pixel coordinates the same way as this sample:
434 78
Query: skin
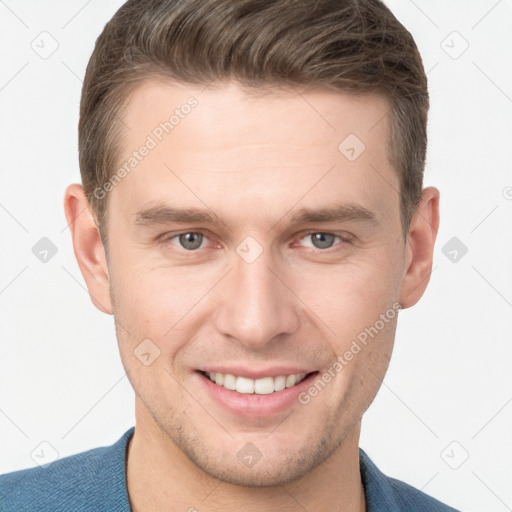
253 161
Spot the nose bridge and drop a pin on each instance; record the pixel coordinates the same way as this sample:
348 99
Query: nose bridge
256 306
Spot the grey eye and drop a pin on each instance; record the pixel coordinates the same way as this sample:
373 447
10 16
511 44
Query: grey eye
191 241
322 240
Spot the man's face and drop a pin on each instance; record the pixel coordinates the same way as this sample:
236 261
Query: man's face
261 290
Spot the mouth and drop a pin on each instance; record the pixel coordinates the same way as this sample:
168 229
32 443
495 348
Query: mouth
261 386
263 396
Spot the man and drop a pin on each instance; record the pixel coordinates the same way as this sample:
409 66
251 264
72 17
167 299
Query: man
252 214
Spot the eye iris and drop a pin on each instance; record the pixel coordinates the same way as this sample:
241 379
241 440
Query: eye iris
322 240
191 240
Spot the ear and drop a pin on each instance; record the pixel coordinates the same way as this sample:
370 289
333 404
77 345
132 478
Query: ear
420 248
88 246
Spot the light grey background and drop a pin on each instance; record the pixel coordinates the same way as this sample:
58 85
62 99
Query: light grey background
448 391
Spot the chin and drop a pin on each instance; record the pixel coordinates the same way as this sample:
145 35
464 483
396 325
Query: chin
269 470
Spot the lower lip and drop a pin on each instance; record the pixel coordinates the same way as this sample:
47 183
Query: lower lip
253 405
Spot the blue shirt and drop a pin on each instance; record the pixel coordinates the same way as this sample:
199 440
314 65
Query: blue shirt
95 480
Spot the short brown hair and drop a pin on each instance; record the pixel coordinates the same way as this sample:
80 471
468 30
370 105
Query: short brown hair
352 46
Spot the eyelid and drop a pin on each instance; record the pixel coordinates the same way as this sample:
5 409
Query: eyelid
342 234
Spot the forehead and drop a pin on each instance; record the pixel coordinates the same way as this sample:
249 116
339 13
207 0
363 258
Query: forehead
199 142
260 115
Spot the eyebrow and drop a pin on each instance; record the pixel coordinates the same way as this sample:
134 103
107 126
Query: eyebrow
165 215
162 214
335 213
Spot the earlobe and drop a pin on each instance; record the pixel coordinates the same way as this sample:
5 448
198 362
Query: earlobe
88 247
420 248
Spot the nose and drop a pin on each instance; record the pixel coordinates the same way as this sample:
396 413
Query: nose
256 307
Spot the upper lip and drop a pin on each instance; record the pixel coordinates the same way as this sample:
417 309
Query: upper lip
257 373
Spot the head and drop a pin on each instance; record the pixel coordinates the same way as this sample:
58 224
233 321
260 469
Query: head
275 221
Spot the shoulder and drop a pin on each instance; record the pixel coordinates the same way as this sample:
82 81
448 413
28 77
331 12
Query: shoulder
90 480
410 498
385 493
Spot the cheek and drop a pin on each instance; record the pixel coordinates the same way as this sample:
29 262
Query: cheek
350 297
149 306
157 302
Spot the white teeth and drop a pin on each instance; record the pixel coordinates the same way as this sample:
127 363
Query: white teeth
279 383
264 386
230 381
244 385
290 381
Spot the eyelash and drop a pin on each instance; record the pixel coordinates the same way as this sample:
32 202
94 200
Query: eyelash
345 239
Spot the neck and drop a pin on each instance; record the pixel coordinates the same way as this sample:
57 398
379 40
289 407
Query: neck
161 477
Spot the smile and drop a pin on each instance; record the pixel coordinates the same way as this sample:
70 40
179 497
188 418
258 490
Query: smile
263 386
